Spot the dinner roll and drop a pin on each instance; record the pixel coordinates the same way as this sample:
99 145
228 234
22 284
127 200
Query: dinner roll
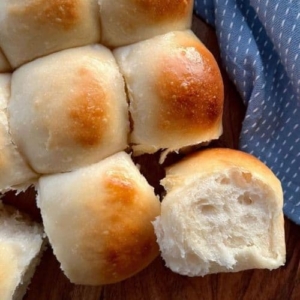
222 213
175 90
128 21
69 109
21 246
14 171
98 220
34 28
4 64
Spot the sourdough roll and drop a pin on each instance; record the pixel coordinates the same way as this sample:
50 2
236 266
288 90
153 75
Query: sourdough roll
69 109
21 245
175 90
34 28
128 21
14 171
98 220
4 64
222 213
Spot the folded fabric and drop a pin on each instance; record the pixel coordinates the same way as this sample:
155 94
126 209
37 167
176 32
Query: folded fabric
260 48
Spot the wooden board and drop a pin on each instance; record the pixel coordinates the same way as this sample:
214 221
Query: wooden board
157 282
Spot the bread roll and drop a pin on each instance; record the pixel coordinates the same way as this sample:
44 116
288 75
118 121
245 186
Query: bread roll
98 220
175 90
4 64
222 213
69 109
14 171
34 28
128 21
21 245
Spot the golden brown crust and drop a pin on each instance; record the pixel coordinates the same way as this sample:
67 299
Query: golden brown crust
61 13
219 159
191 89
122 241
86 118
164 10
87 112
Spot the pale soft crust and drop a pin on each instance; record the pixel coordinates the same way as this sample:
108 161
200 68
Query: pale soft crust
34 28
175 89
103 233
14 171
128 21
67 122
222 213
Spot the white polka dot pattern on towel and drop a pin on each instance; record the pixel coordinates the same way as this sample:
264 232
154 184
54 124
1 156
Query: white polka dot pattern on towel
260 48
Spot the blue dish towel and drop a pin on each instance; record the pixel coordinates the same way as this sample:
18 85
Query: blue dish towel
260 49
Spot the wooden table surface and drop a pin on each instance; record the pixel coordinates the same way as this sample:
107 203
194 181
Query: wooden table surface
157 282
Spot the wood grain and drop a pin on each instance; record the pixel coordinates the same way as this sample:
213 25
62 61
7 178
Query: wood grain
157 282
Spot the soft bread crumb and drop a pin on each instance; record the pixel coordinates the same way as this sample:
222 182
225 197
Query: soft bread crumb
21 246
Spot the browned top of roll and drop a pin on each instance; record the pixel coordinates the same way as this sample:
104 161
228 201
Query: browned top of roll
127 243
87 113
159 11
108 224
191 89
61 13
